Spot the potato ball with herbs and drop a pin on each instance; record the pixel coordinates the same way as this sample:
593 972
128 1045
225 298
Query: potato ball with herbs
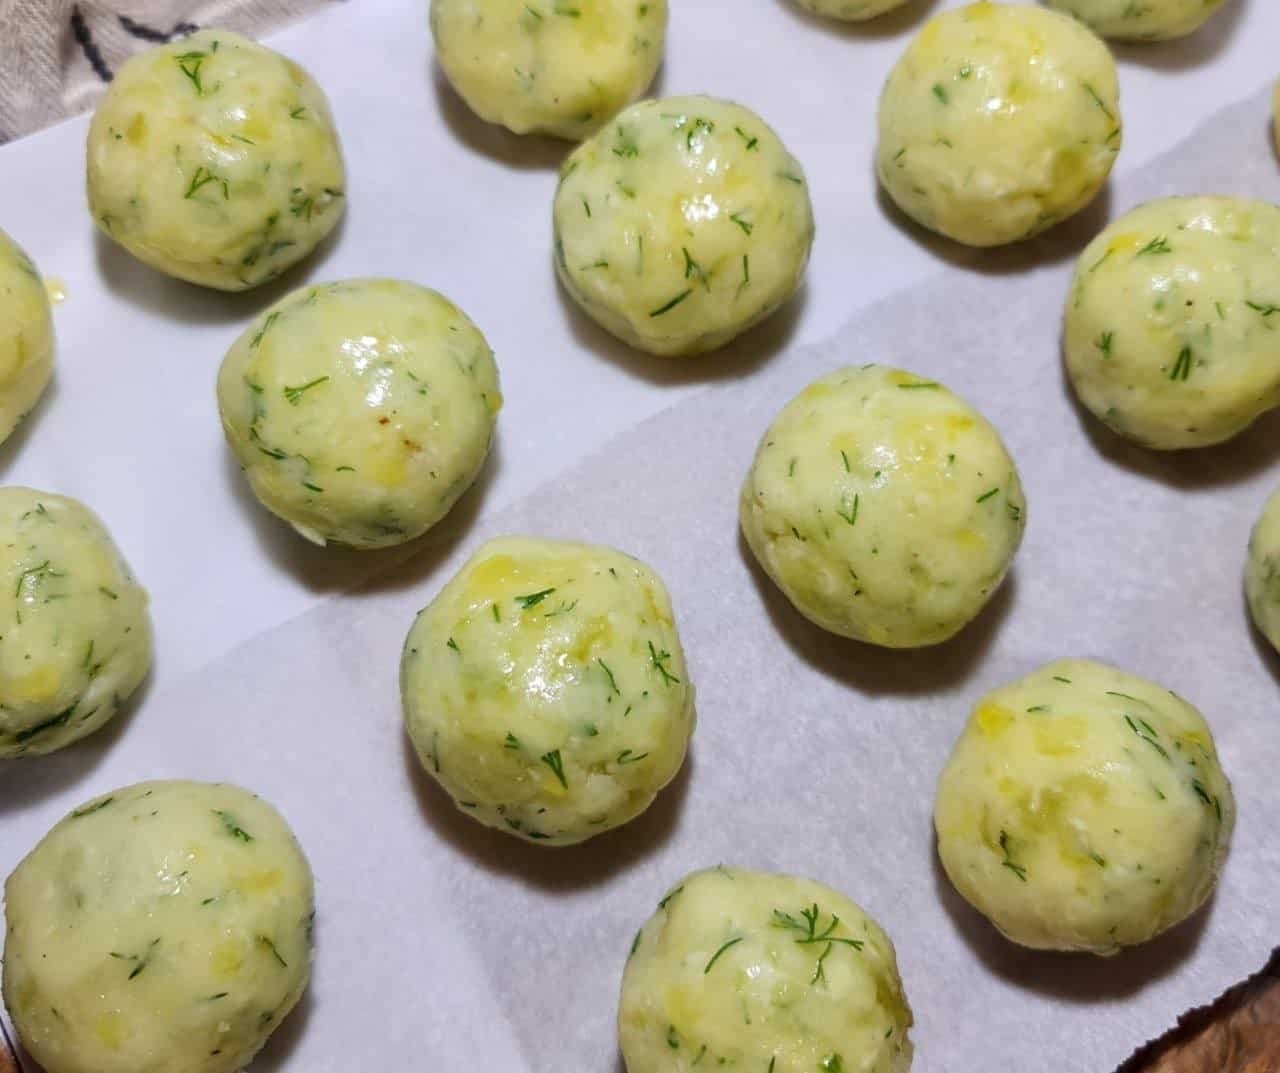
885 508
546 690
547 66
681 224
999 121
158 928
850 10
1170 328
1150 20
77 640
215 160
26 336
1084 808
755 971
1262 572
361 410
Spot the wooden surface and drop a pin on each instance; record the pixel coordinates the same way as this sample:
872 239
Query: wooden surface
1240 1033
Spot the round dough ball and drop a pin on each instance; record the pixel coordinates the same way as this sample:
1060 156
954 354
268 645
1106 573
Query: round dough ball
1084 808
26 336
884 507
361 410
850 10
1262 572
1000 121
1170 332
753 971
547 66
1151 20
682 224
215 160
546 690
77 639
161 928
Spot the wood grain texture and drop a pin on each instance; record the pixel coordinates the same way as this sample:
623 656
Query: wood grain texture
1240 1033
8 1059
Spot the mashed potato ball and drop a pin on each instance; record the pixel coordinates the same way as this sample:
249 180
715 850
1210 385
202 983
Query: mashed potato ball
1150 20
215 160
361 410
549 66
1000 121
1084 809
1170 331
546 690
885 507
681 224
77 637
751 971
159 928
850 10
1262 572
26 336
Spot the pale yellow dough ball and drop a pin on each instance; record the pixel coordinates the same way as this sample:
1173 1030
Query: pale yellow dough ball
850 10
215 160
771 973
999 121
26 336
1262 572
1148 20
681 224
160 928
1170 331
885 508
546 690
360 411
562 67
1084 809
77 636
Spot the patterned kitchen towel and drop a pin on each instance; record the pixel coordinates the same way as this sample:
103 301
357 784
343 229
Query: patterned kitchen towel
57 55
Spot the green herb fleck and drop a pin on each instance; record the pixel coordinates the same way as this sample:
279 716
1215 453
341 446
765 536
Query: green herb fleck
139 961
294 394
716 956
669 306
257 339
533 599
202 178
1008 862
553 761
232 828
1099 101
89 810
613 682
1182 367
189 63
658 658
265 941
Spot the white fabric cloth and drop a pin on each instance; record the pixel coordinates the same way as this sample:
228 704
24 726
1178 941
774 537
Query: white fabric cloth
56 56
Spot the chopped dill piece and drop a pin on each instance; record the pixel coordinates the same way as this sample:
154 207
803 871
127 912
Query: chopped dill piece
553 761
716 956
669 306
658 658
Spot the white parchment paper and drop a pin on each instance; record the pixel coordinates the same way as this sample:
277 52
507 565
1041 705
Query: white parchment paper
445 946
